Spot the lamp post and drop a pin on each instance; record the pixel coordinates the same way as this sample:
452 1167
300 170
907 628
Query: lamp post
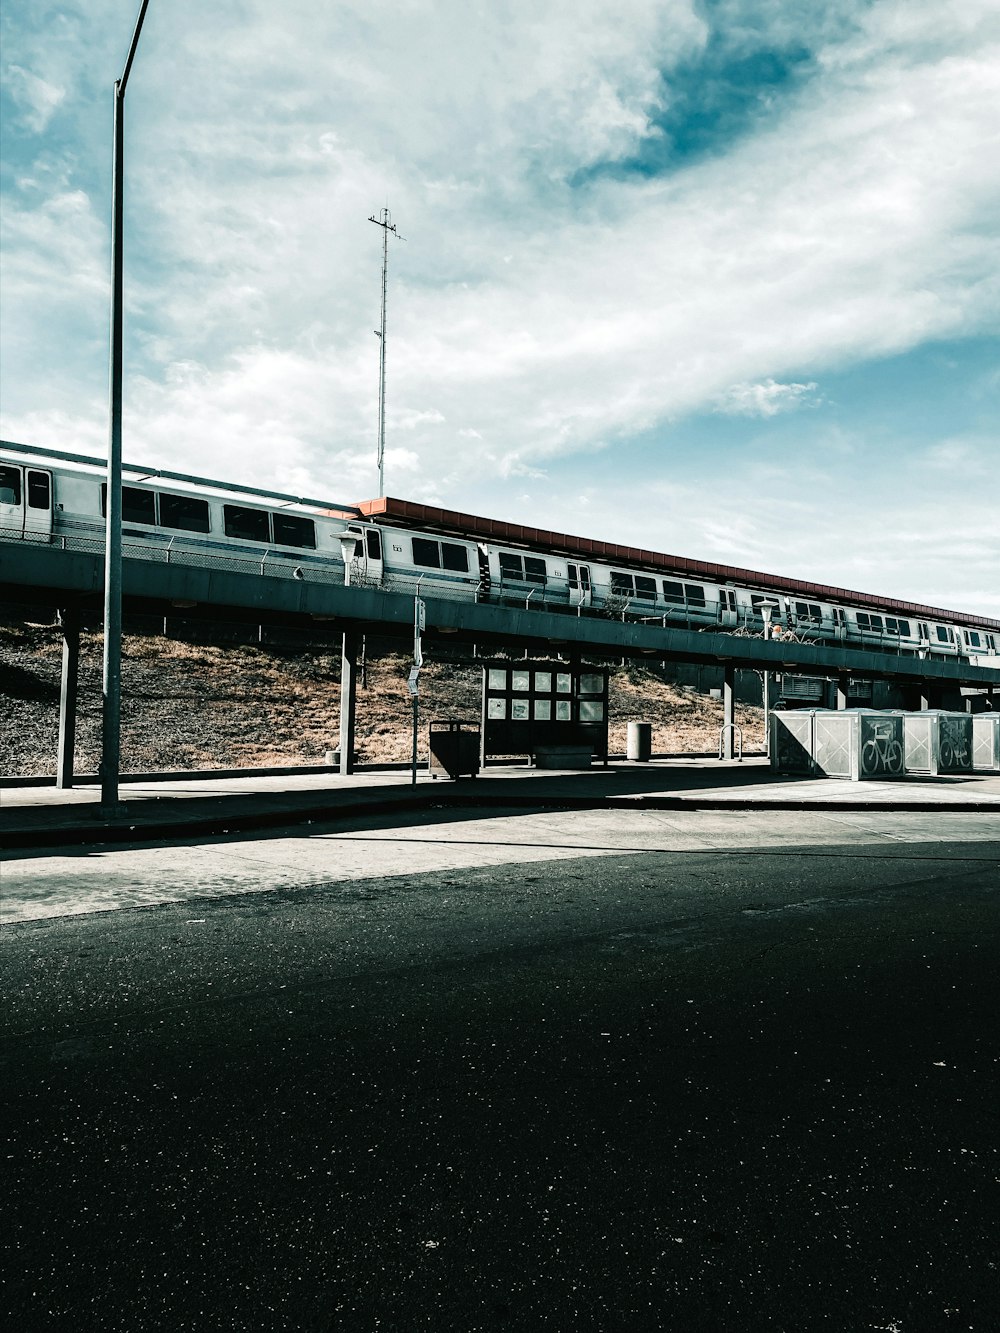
766 608
112 674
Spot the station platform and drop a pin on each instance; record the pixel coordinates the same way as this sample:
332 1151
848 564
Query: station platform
40 816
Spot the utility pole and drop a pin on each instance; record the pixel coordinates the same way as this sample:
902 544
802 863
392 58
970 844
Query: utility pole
112 682
384 220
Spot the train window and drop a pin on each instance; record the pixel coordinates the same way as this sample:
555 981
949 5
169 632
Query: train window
39 490
621 584
924 633
291 530
571 576
972 638
991 643
808 611
673 592
944 634
645 588
455 557
373 542
138 506
10 485
427 554
534 569
584 576
866 621
894 626
695 594
184 512
253 525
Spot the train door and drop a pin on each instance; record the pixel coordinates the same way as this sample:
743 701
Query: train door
485 577
373 555
578 579
25 502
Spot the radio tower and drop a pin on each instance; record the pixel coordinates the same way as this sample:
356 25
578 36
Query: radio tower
384 220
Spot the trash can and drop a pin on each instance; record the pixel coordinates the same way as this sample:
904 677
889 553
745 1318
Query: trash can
453 748
640 742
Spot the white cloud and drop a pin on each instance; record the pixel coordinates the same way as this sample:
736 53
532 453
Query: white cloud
37 99
765 399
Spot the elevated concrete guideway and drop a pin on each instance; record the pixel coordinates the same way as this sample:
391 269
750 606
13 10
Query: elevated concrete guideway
47 574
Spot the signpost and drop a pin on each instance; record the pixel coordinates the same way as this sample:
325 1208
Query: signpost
413 683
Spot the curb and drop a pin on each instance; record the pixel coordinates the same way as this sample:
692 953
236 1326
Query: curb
220 824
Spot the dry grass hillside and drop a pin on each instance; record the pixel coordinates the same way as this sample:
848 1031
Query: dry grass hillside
189 706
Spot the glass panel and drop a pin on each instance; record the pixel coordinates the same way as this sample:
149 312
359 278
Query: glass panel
543 710
10 485
695 594
584 576
564 683
186 513
903 628
621 584
571 578
876 622
455 557
673 592
591 710
592 684
290 530
519 710
38 490
645 588
563 710
520 680
543 682
496 708
251 524
374 543
498 678
511 566
138 506
427 554
942 634
534 569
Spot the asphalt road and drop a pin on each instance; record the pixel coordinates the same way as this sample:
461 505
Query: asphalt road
572 1072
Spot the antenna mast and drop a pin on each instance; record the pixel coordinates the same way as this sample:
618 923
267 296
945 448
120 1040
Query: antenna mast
384 220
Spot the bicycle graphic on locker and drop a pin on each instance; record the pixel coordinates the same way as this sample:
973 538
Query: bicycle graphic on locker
882 753
954 753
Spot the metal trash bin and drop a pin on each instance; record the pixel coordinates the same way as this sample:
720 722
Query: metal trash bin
639 742
453 748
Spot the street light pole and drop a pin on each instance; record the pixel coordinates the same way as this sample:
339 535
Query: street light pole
112 677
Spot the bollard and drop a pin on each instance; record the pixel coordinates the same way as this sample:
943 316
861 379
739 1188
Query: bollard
640 742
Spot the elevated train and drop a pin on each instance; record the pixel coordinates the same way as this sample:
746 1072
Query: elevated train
47 496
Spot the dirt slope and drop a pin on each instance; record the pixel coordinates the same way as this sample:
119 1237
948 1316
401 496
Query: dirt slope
188 706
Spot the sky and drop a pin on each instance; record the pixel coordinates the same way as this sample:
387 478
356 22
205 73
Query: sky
717 278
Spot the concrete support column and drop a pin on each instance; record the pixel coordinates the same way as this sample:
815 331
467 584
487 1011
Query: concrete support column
728 710
841 691
69 619
925 696
348 700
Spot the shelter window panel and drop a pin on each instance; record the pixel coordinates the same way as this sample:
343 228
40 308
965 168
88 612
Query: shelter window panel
520 710
496 708
591 710
497 678
543 710
455 557
252 525
592 684
520 680
39 490
290 530
534 569
426 554
543 682
564 682
564 710
186 513
10 485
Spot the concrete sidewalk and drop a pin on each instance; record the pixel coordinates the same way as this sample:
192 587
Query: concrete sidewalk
44 816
